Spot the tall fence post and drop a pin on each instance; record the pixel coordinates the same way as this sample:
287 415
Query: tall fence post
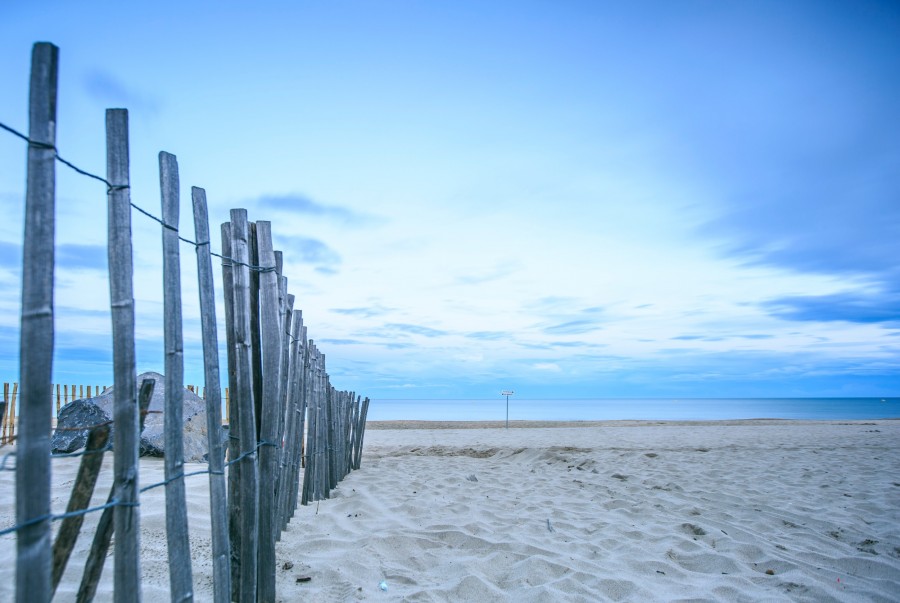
234 468
4 422
245 410
287 309
180 580
312 421
291 444
255 343
79 500
126 439
300 458
216 457
33 560
362 431
270 331
93 566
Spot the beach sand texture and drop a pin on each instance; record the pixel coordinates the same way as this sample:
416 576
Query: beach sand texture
622 511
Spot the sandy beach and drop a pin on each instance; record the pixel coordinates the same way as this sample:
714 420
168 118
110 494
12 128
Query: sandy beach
619 511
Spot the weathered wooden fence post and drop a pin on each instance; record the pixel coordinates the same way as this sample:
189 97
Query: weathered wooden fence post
93 567
234 468
312 439
82 491
270 330
326 432
245 411
299 457
255 343
322 431
127 565
216 458
180 575
354 434
36 345
362 432
332 447
13 421
292 444
286 372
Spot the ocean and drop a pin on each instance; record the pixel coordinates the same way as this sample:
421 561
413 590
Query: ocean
662 409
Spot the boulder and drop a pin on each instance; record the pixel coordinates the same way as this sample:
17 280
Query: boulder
91 411
73 424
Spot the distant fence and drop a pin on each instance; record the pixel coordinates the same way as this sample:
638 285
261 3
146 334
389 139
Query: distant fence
62 394
279 389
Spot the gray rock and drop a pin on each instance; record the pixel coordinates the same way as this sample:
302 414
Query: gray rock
91 411
74 423
194 420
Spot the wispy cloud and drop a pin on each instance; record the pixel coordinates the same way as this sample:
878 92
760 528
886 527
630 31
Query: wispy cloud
836 208
396 333
398 345
576 344
10 255
340 341
111 91
498 272
489 335
68 255
364 311
414 329
311 251
73 255
551 303
573 327
697 338
846 307
299 204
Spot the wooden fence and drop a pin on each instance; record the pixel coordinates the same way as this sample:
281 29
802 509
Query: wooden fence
63 394
279 389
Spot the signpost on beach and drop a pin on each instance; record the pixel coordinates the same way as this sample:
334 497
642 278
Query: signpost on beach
507 393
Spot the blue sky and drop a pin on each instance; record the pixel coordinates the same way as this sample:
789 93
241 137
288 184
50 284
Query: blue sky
570 199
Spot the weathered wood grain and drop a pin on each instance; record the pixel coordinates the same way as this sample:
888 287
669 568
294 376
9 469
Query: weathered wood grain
127 564
82 491
270 331
221 548
234 468
180 574
36 348
245 412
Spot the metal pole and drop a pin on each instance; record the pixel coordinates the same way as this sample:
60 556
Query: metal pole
507 411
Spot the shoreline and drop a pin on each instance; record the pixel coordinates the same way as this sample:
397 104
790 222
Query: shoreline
406 424
733 511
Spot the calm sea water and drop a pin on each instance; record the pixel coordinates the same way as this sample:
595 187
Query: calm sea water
646 409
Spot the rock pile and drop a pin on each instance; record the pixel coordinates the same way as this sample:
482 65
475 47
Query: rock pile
76 418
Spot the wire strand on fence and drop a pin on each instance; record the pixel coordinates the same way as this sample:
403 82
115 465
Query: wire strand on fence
51 517
116 187
259 445
66 455
114 502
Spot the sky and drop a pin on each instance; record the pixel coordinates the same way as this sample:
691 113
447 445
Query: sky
567 199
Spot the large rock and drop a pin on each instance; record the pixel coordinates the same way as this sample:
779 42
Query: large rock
70 434
91 411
